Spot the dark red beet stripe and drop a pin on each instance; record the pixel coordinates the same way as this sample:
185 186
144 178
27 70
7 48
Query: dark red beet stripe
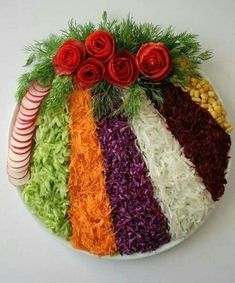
205 143
139 223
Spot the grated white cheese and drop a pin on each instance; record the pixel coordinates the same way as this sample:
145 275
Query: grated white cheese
179 190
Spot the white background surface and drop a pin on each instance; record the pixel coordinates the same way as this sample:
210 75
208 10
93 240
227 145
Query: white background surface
27 252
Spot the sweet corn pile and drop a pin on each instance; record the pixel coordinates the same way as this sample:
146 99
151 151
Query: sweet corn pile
202 92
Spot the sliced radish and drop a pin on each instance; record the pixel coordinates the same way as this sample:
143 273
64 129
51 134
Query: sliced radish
18 157
25 119
37 94
39 88
19 182
21 138
17 168
35 108
30 105
23 126
17 175
21 151
20 164
17 144
25 132
32 98
28 112
20 169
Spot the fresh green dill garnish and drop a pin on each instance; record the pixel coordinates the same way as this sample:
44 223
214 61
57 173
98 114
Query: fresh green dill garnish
185 50
61 87
106 98
132 98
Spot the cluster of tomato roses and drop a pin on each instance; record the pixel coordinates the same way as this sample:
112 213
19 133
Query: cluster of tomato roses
96 59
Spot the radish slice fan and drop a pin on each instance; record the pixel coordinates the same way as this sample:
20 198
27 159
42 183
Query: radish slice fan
182 194
22 135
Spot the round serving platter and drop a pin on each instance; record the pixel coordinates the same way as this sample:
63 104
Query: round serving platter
161 249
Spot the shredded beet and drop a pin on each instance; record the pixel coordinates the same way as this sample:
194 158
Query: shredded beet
205 143
139 223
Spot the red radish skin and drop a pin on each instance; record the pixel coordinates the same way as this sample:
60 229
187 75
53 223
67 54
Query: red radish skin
20 169
30 105
15 164
21 151
21 126
23 106
22 139
16 144
38 88
28 112
26 119
37 94
25 132
22 136
19 182
17 168
18 157
17 175
33 99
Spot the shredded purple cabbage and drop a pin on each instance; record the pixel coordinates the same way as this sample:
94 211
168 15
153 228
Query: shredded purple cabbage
139 223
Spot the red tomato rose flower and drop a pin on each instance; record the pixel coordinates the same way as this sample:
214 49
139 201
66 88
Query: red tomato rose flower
69 56
89 73
154 61
122 70
101 45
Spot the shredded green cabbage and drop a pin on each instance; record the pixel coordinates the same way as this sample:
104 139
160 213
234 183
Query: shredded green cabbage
46 192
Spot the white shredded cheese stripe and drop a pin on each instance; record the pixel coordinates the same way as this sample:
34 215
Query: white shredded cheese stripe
180 192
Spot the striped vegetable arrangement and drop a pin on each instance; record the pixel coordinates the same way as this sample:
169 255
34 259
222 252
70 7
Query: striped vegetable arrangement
112 145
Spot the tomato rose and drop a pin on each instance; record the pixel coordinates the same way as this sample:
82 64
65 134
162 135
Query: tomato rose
122 69
154 61
90 73
100 44
69 56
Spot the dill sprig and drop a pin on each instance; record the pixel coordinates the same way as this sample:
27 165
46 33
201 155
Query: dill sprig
132 98
106 98
61 87
152 89
185 49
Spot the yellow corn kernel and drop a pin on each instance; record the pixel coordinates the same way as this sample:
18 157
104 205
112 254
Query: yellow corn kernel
210 109
228 130
205 88
198 86
218 109
204 101
219 119
203 82
211 100
192 92
193 80
226 125
211 93
224 112
214 114
197 93
204 96
196 99
204 105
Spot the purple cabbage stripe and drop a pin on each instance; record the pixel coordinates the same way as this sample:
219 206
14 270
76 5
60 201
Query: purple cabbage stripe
139 224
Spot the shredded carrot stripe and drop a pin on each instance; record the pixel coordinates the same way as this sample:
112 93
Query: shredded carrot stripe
90 212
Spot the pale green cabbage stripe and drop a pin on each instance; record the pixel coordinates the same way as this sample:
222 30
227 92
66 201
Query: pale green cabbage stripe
46 192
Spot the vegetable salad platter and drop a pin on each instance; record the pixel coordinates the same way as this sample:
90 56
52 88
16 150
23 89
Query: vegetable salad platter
118 145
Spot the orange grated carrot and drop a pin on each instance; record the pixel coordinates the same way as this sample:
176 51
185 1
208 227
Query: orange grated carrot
90 211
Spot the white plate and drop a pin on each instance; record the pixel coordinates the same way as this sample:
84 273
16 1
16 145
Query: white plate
163 248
